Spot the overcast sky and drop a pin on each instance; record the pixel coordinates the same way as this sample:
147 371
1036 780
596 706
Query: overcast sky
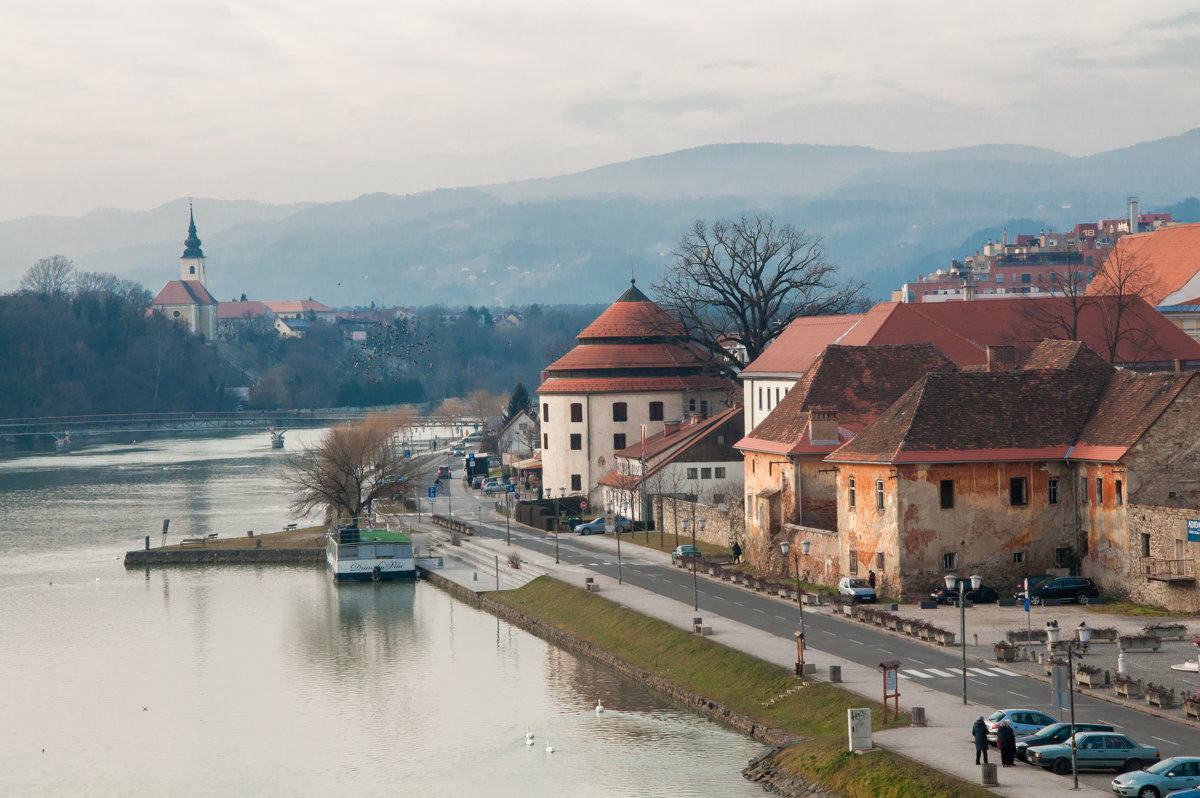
132 103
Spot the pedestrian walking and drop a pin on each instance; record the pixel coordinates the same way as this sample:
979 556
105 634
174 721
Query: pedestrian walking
871 579
737 552
1006 741
979 732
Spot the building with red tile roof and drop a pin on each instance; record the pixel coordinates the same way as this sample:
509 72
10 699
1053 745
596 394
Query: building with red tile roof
187 300
964 331
302 309
632 368
1066 461
692 460
847 388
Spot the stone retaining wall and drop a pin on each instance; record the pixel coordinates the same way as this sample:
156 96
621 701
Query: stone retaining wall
761 769
202 556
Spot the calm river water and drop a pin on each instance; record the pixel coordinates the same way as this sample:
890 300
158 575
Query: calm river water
271 680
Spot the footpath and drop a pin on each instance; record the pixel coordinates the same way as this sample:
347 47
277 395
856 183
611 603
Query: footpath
943 743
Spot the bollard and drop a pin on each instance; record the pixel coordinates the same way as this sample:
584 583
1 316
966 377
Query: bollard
989 775
258 543
835 673
147 543
1120 662
696 624
475 576
918 716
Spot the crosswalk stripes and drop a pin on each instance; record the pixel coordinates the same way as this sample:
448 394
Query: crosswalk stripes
929 673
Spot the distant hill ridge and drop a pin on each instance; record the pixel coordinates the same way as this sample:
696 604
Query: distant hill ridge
885 216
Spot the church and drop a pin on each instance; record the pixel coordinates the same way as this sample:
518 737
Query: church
187 299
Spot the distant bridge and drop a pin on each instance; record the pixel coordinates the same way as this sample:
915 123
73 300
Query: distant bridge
22 431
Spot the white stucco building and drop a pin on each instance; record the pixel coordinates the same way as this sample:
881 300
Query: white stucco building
632 370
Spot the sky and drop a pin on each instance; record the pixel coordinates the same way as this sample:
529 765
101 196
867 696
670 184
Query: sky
133 103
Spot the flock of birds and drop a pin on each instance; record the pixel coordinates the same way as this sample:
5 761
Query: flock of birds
549 747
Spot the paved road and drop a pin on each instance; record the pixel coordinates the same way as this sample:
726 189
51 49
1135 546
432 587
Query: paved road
941 669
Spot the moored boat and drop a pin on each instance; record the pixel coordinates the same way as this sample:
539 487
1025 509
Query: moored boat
276 437
376 554
62 444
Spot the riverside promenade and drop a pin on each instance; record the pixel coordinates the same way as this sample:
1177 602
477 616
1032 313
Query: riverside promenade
944 743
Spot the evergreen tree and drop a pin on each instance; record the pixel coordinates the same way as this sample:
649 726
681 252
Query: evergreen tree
517 402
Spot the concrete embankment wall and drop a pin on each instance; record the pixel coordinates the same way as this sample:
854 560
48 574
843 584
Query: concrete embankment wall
760 769
202 556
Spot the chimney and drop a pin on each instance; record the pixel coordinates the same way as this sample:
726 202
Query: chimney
1001 358
823 425
671 427
1133 214
1177 364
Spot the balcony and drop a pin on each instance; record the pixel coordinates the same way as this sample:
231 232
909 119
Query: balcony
1170 570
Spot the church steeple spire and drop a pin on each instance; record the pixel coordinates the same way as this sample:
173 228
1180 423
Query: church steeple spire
192 244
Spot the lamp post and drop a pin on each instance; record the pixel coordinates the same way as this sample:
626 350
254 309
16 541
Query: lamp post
804 547
695 556
562 492
1084 636
976 580
507 517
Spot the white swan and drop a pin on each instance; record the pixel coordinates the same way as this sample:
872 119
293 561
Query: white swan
549 748
528 733
528 741
599 707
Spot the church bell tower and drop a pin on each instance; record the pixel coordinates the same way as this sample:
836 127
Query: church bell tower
192 260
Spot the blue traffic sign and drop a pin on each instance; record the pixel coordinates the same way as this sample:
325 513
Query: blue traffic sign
1027 604
511 488
433 493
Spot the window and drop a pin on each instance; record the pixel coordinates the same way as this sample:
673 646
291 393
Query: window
545 441
760 404
850 492
999 277
950 561
576 411
879 494
853 561
1018 491
656 411
1018 557
776 396
879 560
1099 490
619 441
1061 557
1083 489
947 494
576 482
1145 544
620 413
705 473
1118 493
692 405
545 411
704 407
576 441
1052 491
1026 278
1054 277
691 473
719 472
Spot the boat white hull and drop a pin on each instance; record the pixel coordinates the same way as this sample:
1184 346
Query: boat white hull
376 569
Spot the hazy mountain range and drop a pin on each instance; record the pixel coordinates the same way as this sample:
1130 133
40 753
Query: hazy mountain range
885 217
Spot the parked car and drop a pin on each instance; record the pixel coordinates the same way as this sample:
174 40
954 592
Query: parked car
1054 733
394 486
1193 792
683 552
1034 579
857 588
1094 750
1071 588
1178 773
477 481
443 472
493 486
946 595
1023 721
593 527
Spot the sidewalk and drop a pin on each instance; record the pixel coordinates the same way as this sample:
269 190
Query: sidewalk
944 744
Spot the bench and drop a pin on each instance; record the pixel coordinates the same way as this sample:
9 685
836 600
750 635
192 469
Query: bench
289 528
201 541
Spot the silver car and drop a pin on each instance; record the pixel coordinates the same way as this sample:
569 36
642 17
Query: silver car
1023 721
857 588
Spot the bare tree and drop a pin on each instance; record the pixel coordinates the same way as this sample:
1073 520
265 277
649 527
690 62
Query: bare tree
483 407
351 466
1061 319
52 276
739 283
1125 280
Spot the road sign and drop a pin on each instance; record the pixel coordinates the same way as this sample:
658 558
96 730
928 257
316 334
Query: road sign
432 492
583 505
471 458
517 496
510 488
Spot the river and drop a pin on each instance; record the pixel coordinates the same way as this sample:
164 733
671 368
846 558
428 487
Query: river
274 681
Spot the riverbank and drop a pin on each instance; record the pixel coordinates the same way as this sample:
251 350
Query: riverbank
804 721
288 546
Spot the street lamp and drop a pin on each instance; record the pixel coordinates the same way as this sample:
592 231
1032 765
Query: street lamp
804 547
695 556
507 516
562 492
1085 635
976 580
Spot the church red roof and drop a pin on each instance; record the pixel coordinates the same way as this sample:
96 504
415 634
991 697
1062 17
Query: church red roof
633 315
184 292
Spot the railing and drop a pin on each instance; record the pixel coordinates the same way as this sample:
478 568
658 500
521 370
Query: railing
1170 570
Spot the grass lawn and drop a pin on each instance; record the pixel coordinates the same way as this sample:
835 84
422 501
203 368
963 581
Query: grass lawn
746 685
1128 608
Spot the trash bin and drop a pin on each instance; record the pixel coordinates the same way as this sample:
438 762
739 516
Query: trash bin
989 774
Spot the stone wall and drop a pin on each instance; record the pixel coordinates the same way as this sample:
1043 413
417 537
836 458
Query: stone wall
721 528
203 556
1166 527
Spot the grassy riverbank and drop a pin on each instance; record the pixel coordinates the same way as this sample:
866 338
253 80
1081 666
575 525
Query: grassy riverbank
749 686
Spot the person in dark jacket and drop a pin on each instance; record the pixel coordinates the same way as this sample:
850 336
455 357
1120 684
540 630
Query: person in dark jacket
737 552
1006 741
979 732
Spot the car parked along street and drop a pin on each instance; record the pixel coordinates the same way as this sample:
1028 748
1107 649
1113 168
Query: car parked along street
1094 750
1157 781
1023 721
857 588
1070 588
684 552
1054 733
980 595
